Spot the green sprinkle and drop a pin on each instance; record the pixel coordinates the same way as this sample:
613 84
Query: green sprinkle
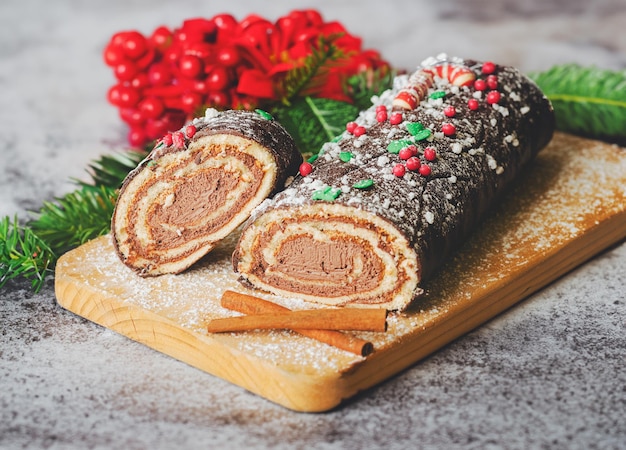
437 94
363 184
423 134
313 158
414 127
345 156
264 114
395 146
151 163
336 138
327 194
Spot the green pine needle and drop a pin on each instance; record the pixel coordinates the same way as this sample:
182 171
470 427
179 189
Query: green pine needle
75 218
587 100
308 78
23 254
110 170
314 121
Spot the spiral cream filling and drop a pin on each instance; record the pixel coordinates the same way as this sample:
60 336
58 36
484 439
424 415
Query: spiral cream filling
178 208
329 253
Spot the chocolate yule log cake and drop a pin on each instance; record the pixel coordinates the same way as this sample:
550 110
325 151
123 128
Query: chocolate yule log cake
380 209
197 185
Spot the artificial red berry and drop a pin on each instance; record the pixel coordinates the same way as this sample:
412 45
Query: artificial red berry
140 81
137 137
228 56
492 82
151 107
413 163
128 97
406 153
359 131
488 67
448 129
132 116
134 45
190 101
480 85
473 104
493 97
190 66
190 131
178 139
161 38
351 126
306 168
113 55
125 70
399 170
381 108
430 154
159 74
113 95
218 79
395 119
424 170
449 111
381 116
218 99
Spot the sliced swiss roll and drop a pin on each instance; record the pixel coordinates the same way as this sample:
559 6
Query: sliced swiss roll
196 186
382 207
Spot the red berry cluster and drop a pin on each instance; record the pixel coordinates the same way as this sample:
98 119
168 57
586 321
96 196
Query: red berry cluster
168 77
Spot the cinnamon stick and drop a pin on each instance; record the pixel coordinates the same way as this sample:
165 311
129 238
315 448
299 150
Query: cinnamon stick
248 304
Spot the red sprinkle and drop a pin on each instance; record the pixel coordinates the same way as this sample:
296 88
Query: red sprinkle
430 154
492 82
424 170
359 131
167 139
449 111
399 170
406 152
448 129
190 131
306 168
178 139
395 119
480 85
350 126
413 163
488 67
493 97
381 116
473 104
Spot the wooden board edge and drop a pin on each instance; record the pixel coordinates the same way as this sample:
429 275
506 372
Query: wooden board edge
296 391
497 299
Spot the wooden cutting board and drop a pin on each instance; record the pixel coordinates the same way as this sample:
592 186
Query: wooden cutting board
570 205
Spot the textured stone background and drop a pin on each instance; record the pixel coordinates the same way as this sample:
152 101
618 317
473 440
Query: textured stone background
547 374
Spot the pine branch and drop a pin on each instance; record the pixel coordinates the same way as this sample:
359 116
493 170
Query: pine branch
110 170
23 254
75 218
364 85
314 121
587 100
307 78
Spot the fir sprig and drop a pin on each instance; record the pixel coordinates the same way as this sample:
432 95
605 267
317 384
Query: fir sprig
307 78
23 254
110 170
587 100
75 218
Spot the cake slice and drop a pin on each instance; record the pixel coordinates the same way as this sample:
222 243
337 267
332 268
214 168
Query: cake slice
196 186
381 208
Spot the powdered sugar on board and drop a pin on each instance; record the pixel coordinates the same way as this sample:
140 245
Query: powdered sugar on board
572 186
